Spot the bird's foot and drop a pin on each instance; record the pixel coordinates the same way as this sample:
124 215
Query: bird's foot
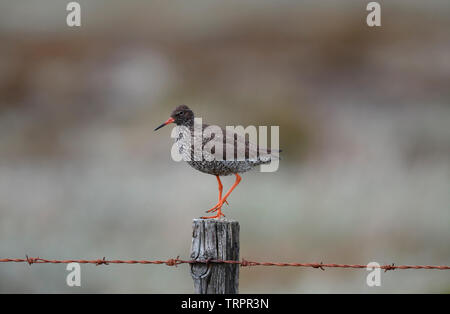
218 215
217 206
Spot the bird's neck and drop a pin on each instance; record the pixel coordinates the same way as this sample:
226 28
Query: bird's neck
189 124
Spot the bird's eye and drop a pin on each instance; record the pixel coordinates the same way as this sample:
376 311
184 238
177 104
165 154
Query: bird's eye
178 113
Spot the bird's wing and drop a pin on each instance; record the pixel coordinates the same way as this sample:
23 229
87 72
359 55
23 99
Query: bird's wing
232 143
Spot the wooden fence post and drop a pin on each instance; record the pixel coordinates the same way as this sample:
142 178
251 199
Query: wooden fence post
215 239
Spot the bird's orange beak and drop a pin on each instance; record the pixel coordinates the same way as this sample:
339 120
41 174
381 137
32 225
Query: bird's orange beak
170 120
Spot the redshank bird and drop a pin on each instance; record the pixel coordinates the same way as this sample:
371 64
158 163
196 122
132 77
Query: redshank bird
213 164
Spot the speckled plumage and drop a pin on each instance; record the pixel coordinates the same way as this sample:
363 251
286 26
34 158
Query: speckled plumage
216 163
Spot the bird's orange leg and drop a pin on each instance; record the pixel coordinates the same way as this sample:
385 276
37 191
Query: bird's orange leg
219 205
220 195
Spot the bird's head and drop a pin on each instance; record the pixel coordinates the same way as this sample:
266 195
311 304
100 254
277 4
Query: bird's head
182 115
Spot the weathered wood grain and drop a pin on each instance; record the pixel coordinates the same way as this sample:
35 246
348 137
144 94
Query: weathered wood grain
215 239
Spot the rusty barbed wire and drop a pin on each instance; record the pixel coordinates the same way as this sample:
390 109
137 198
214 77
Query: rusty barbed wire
243 263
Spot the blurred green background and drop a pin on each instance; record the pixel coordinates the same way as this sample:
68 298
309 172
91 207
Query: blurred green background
364 116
